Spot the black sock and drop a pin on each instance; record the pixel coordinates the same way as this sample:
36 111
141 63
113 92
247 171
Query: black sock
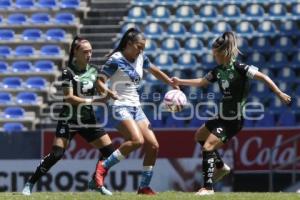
208 167
48 161
218 160
106 151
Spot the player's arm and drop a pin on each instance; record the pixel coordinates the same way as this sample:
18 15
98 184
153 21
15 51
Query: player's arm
74 100
199 82
266 79
103 90
160 75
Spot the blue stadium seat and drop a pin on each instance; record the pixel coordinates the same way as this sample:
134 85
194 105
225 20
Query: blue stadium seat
161 13
56 34
176 29
17 19
25 4
12 82
38 83
256 59
194 45
255 12
143 2
170 46
185 13
5 98
44 66
199 29
32 34
286 74
5 4
268 120
259 89
5 51
278 60
3 67
22 66
221 27
24 50
70 4
232 12
137 14
40 18
295 63
287 118
47 4
268 72
151 47
50 50
207 61
154 30
7 34
262 44
164 61
166 2
187 60
243 45
14 112
278 11
208 12
267 28
289 28
27 98
284 44
296 11
127 26
13 127
65 18
245 29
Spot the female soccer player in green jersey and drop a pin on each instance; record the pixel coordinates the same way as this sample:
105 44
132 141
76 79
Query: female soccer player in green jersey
232 77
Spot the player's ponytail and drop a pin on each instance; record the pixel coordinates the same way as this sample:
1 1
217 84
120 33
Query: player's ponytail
227 43
130 35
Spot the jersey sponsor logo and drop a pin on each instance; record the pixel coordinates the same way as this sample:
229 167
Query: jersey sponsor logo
87 85
62 130
219 130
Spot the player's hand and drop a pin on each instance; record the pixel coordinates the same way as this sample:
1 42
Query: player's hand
113 95
285 98
174 84
175 81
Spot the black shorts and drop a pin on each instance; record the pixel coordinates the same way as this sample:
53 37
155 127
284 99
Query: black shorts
68 130
224 129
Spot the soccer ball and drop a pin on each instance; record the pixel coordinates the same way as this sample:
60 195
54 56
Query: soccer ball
175 100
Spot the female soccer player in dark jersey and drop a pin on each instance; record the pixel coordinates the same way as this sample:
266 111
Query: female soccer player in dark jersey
79 85
232 77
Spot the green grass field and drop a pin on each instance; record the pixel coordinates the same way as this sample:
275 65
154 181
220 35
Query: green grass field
160 196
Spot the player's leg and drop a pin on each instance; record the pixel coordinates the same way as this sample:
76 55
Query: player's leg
151 147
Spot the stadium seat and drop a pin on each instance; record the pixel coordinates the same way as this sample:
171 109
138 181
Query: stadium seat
164 61
255 12
22 66
137 14
278 60
25 4
245 29
278 11
32 34
166 2
296 11
289 28
262 44
243 45
38 83
287 118
127 26
47 4
295 63
194 45
267 28
12 127
170 46
232 12
5 4
269 72
268 120
199 29
56 34
151 47
5 51
44 66
176 29
50 50
185 13
17 19
208 12
220 27
40 18
284 44
70 4
7 34
65 18
286 74
27 98
5 98
187 60
24 50
154 30
12 82
259 89
207 61
160 14
14 112
3 67
256 59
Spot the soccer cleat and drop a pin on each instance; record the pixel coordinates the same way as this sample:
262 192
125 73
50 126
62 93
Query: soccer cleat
100 174
220 173
146 191
204 192
102 189
27 190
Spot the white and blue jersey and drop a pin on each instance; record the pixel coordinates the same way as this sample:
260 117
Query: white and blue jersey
125 77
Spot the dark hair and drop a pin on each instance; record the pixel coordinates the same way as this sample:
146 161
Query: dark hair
77 41
130 35
228 44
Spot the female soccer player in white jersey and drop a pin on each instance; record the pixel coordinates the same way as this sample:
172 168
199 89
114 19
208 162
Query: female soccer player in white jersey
124 68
